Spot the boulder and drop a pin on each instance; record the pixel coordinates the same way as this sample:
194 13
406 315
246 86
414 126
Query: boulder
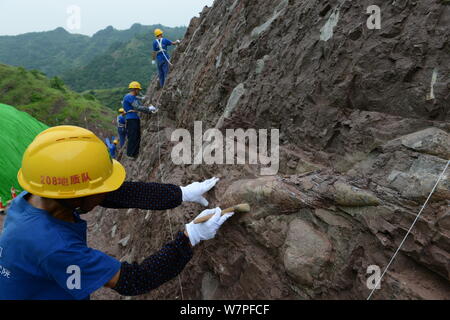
307 253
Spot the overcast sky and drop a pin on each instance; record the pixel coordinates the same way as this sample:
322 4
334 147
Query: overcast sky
22 16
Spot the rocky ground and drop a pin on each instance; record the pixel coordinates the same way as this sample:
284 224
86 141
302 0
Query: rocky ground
364 129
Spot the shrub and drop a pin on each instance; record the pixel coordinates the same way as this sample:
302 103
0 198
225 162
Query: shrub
36 97
58 84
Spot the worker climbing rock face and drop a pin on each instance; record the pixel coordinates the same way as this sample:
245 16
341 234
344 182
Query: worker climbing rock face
121 126
161 55
67 172
132 104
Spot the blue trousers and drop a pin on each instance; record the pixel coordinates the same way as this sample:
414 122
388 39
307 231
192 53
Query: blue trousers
122 135
134 137
163 70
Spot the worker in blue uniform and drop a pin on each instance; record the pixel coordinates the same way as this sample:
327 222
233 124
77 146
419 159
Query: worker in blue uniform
112 146
132 104
121 123
161 55
67 172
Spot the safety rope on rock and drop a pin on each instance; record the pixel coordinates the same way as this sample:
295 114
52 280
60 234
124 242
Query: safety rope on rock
167 211
409 231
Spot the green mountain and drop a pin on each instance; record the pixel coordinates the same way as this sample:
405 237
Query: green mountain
13 144
51 52
51 102
54 52
110 58
111 98
121 63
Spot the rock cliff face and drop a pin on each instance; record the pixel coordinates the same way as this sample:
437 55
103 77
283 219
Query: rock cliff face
363 117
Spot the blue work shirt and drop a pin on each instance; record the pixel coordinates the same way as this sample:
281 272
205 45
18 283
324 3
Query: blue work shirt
165 43
111 147
127 104
44 258
121 121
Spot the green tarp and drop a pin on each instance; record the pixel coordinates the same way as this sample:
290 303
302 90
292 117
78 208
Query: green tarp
17 129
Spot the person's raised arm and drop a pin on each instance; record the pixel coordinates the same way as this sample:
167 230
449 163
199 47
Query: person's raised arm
146 196
136 279
156 196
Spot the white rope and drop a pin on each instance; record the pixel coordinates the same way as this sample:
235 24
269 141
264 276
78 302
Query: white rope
167 211
409 231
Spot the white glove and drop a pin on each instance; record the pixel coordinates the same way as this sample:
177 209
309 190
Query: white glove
194 192
178 41
208 229
153 62
152 109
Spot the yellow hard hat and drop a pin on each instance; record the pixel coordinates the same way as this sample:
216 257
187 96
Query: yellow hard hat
116 141
69 162
121 110
135 85
158 32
